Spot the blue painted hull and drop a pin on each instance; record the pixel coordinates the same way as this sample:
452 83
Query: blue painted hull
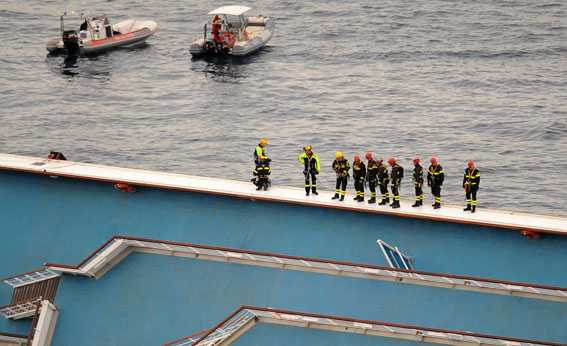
63 220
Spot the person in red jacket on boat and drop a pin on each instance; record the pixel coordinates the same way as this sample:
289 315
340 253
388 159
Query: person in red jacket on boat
216 28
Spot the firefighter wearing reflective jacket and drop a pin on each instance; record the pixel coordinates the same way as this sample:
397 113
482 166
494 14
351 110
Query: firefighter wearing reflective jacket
341 167
418 183
259 152
358 174
435 177
372 176
396 177
383 180
262 172
312 167
471 183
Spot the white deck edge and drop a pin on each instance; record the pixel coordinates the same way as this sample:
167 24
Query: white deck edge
240 189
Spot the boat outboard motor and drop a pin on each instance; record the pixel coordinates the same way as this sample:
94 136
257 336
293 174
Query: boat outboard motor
71 40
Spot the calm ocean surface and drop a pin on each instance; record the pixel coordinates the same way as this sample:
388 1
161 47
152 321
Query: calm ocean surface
459 80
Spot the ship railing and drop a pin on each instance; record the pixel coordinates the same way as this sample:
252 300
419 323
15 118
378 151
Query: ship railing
220 335
23 309
30 277
120 246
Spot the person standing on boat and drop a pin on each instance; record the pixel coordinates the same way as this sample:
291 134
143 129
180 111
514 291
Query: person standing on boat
418 183
341 167
383 180
435 177
312 167
372 176
216 28
396 177
259 152
358 174
471 183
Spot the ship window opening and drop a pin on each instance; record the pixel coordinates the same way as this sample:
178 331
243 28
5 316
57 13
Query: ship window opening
395 258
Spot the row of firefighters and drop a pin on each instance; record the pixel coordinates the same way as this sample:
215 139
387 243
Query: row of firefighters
375 173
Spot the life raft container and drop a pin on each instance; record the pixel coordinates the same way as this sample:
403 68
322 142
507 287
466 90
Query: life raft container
125 187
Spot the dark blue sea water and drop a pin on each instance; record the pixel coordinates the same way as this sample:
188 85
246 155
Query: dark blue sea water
459 80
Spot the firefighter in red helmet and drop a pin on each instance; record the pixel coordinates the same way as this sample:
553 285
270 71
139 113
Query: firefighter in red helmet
435 177
372 176
383 180
395 177
358 174
418 183
471 183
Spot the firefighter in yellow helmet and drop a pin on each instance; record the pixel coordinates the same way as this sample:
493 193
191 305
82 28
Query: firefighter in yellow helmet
262 170
259 152
312 167
341 167
418 182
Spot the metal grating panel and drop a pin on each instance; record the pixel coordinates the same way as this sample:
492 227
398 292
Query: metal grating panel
20 310
32 277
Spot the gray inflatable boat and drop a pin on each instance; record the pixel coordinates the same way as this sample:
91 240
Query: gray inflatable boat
230 33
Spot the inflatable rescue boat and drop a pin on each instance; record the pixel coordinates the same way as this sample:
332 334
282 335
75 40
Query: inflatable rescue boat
230 33
95 34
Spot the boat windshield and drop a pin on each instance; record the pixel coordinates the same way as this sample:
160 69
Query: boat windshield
72 20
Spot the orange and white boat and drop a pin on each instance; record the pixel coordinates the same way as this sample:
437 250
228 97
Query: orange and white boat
96 34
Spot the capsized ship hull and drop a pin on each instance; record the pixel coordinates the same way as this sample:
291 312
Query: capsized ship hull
200 248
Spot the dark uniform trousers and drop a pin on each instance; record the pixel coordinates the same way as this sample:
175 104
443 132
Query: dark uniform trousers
372 183
471 192
418 191
436 191
383 180
341 185
313 184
